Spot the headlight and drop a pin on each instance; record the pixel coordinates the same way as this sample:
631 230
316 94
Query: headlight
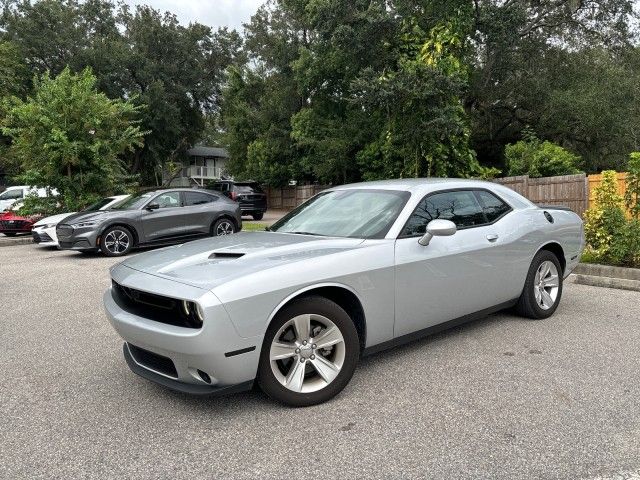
84 224
47 225
193 312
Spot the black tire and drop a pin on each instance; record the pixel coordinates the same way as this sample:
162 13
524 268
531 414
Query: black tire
10 234
330 310
527 305
258 215
123 237
222 226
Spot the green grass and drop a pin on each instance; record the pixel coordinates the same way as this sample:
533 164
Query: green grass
253 227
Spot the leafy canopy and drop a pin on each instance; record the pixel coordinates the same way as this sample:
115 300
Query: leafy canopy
69 136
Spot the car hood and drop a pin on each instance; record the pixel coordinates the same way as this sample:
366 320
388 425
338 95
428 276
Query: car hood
53 219
210 262
97 216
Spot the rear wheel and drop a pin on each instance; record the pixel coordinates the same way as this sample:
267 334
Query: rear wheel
309 353
116 241
10 234
542 288
258 215
221 227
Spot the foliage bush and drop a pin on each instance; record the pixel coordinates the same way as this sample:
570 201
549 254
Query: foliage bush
611 237
70 137
532 157
632 193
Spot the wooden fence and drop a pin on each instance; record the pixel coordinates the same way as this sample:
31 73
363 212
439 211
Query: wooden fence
287 198
573 191
567 190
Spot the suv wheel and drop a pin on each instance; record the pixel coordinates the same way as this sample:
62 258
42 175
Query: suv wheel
258 215
116 241
223 226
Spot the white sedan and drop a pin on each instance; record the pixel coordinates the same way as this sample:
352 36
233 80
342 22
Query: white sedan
44 231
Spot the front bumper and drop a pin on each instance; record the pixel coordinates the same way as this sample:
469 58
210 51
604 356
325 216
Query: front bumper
228 361
84 239
44 236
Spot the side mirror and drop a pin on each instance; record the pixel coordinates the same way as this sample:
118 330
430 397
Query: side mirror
437 228
153 206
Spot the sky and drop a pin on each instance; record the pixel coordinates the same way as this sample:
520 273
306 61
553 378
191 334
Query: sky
214 13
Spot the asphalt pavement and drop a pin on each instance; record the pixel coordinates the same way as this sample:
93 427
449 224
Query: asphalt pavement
501 398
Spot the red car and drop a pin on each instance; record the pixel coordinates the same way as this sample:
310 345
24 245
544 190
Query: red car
12 224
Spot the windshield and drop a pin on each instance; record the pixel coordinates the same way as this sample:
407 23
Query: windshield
98 205
11 194
361 213
134 201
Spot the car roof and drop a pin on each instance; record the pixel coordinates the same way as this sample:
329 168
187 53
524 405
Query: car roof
417 184
423 186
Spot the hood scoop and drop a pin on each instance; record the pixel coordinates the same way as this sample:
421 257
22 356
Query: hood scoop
215 255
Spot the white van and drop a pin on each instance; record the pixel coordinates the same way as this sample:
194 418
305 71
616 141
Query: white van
12 194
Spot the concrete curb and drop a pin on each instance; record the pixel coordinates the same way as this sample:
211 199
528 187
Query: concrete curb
607 276
10 242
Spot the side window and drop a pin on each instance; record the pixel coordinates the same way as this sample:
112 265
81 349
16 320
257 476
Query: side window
492 206
197 198
461 207
218 187
168 199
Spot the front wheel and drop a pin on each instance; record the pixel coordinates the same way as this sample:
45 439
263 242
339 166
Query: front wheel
221 227
116 241
10 234
309 353
542 288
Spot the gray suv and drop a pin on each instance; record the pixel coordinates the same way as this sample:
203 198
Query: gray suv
160 217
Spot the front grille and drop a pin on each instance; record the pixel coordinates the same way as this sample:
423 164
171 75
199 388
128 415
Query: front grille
153 307
13 224
40 237
153 361
64 230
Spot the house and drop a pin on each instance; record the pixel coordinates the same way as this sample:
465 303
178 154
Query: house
204 164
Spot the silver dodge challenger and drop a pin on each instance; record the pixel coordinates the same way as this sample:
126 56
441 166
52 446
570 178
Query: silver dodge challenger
354 270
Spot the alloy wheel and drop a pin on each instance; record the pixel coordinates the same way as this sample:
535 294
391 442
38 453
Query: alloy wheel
546 285
117 241
307 353
224 228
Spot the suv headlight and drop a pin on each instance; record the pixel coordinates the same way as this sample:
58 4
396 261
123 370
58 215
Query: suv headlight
84 224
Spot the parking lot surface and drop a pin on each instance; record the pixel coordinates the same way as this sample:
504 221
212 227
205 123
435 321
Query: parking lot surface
500 398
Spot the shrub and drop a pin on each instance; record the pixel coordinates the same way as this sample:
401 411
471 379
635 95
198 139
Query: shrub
532 157
632 194
605 219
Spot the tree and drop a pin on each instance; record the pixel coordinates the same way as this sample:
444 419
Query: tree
175 71
68 136
567 68
344 90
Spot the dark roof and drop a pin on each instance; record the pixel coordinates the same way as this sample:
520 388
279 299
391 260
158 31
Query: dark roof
202 151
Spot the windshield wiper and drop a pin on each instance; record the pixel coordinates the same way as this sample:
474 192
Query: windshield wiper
306 233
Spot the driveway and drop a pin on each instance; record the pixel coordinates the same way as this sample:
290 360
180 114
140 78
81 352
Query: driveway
501 398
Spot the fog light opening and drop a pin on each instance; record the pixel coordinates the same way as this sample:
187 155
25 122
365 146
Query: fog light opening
204 376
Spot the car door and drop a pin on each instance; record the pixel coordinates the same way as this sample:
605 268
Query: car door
197 212
164 222
452 276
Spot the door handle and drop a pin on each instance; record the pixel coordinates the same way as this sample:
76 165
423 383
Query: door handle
492 237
